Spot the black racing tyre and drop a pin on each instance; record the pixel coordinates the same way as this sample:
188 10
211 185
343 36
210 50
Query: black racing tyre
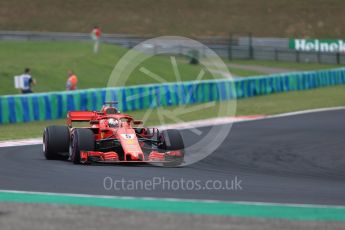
81 140
170 139
56 142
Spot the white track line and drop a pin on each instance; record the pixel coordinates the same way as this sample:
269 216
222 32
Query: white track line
305 112
191 124
210 122
21 142
172 199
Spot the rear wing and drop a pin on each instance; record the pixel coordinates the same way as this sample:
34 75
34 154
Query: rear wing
80 116
93 117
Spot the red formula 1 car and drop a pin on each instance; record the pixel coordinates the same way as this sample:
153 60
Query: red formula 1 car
111 137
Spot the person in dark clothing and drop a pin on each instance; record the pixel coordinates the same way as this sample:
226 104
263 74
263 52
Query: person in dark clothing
28 81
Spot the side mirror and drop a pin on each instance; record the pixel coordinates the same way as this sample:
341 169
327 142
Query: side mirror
137 122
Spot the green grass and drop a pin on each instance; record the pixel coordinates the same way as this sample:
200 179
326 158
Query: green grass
292 101
265 105
285 65
243 72
50 61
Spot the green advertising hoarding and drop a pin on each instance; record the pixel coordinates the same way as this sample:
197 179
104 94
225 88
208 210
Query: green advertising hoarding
318 45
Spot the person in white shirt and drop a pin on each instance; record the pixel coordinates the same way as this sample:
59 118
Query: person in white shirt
96 34
28 82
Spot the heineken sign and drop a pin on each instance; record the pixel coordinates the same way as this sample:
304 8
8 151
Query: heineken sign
318 45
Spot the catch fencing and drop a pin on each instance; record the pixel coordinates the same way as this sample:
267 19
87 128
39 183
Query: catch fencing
232 47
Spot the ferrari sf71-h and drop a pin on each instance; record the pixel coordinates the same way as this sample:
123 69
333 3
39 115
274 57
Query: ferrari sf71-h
111 137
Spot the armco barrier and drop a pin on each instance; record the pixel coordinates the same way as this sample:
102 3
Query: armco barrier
47 106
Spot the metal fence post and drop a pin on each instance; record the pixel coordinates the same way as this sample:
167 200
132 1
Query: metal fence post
230 47
319 57
251 51
338 58
341 58
154 49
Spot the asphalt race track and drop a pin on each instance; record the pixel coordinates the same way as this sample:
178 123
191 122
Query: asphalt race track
293 159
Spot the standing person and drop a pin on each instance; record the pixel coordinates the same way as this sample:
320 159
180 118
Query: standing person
28 81
96 37
72 81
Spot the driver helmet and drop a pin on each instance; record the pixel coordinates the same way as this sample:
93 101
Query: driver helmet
113 123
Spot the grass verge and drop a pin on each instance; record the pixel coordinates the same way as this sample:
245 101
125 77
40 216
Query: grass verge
50 61
285 65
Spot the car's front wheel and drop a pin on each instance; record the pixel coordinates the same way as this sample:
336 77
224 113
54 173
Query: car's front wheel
171 140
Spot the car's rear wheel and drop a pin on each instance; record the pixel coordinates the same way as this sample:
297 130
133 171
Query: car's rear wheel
171 140
56 142
81 140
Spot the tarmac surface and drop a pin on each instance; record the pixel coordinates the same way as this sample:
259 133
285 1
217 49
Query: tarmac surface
296 159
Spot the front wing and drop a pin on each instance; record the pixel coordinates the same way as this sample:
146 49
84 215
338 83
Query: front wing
113 157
